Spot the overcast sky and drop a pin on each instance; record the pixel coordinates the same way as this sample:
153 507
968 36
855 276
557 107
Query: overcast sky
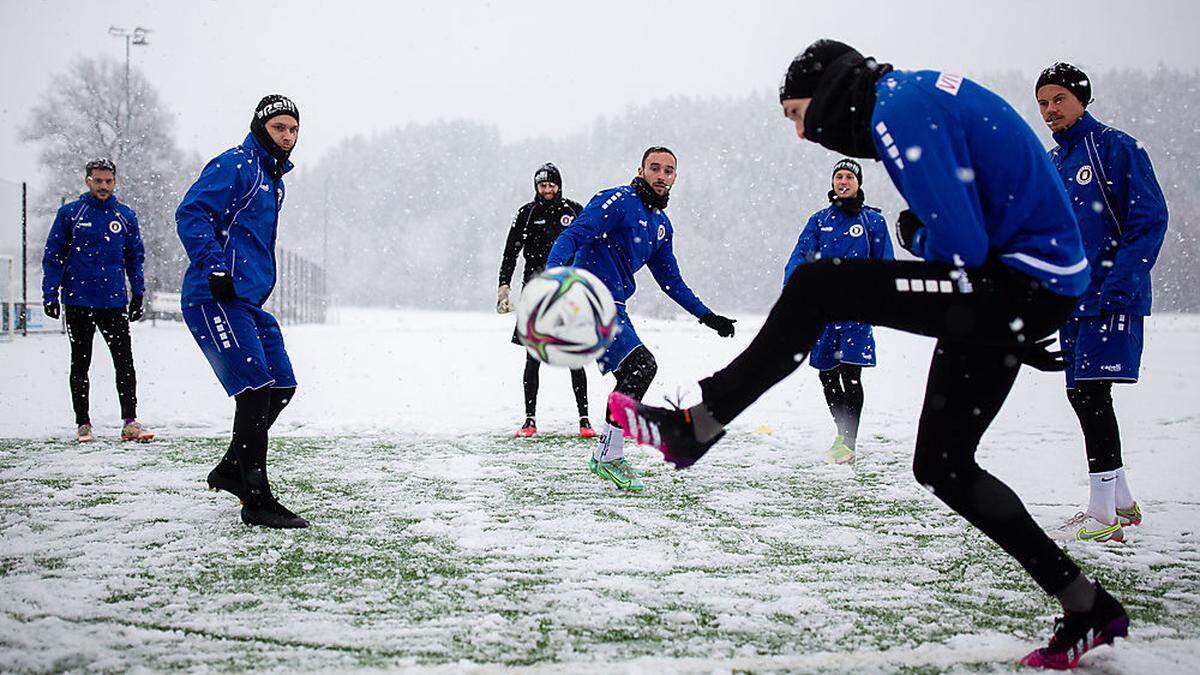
531 68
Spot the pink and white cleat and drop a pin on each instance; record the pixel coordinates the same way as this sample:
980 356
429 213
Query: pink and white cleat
669 431
1077 633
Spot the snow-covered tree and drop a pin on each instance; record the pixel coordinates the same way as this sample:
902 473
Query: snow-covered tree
87 113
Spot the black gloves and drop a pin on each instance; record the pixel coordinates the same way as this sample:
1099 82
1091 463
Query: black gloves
1039 356
51 309
135 308
907 227
723 325
221 286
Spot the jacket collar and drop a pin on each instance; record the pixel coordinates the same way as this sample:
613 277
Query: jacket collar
106 205
261 153
1082 127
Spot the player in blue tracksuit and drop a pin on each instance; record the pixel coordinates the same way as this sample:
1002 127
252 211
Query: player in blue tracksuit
846 229
94 244
1122 218
621 230
227 222
1003 268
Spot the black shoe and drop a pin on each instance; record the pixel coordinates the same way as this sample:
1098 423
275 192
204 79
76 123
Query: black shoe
1078 632
270 513
668 430
227 477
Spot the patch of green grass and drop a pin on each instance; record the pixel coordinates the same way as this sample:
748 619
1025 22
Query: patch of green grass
518 555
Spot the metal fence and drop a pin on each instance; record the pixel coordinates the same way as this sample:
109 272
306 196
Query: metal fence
301 291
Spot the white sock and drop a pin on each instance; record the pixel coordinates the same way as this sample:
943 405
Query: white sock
611 446
1103 504
1124 498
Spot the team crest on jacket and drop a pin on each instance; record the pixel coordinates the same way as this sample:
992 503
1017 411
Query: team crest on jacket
662 231
1084 175
114 227
566 219
856 230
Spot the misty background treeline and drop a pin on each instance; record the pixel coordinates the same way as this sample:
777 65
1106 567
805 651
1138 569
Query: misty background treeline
417 215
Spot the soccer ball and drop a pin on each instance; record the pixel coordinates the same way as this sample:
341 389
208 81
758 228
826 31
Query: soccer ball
566 317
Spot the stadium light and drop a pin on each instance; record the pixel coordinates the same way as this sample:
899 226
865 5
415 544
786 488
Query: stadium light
137 36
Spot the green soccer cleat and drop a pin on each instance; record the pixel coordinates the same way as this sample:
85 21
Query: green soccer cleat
1130 517
839 452
620 472
1084 527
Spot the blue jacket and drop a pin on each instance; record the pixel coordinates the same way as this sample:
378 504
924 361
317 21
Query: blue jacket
92 247
228 221
974 172
834 232
615 236
1121 211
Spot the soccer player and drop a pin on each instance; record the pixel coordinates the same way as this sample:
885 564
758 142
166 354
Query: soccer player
228 222
621 230
1122 218
847 228
534 229
94 244
1003 266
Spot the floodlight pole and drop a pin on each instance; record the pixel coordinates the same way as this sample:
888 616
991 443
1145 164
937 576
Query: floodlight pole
137 36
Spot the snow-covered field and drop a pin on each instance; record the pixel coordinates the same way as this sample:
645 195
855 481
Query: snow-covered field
439 541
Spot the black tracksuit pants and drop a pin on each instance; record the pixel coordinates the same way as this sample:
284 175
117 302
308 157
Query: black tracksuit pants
531 380
983 319
113 323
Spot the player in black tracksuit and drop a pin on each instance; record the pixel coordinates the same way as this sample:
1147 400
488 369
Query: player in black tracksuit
534 229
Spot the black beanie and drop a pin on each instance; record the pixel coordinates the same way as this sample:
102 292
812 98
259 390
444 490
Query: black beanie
272 105
1068 77
547 173
806 70
851 166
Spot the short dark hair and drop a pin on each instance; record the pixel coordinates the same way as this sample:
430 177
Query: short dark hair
656 148
100 164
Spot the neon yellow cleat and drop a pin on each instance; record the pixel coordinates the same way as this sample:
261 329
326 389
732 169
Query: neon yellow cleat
839 452
1130 517
1084 527
620 472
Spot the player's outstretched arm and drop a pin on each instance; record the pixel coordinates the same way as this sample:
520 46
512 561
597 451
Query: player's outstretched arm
600 215
665 270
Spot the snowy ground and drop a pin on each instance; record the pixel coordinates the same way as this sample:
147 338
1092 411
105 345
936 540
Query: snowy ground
441 542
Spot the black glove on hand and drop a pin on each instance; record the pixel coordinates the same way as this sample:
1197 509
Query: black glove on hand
723 325
907 226
135 307
1039 356
51 309
221 285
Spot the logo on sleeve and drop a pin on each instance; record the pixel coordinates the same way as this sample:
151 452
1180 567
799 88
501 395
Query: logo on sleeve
114 227
662 231
856 230
1084 175
949 83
